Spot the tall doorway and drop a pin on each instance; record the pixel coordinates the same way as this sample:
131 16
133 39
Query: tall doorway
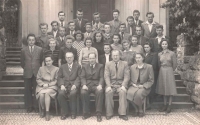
105 7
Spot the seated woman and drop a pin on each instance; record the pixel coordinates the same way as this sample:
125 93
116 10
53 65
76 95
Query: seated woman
128 55
134 45
142 79
83 58
116 42
53 50
46 85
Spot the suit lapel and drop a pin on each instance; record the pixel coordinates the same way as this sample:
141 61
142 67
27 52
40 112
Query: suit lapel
73 68
110 58
94 69
28 51
34 51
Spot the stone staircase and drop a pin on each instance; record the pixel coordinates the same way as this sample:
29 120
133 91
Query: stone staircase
13 56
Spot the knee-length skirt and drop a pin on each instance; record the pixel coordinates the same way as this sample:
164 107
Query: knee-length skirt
51 92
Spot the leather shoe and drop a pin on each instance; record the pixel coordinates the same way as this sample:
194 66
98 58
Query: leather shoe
168 109
86 116
164 108
29 110
36 110
42 114
108 117
99 119
73 116
124 117
47 118
141 114
135 114
63 117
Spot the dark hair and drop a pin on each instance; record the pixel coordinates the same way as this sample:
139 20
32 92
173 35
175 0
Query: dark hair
96 13
129 17
136 11
159 27
122 24
49 55
118 36
149 13
138 26
88 24
94 36
116 10
87 38
31 35
107 44
107 24
71 22
69 37
143 56
43 24
61 27
61 12
79 10
163 41
92 53
54 22
78 32
147 43
125 41
130 38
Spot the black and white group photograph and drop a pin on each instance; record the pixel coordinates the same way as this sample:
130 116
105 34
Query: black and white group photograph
99 62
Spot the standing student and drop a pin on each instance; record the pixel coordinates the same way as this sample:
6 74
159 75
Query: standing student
31 60
79 21
122 32
54 31
71 28
61 17
96 24
115 22
134 45
42 41
61 38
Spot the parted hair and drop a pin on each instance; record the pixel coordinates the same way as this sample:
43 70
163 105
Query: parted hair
149 13
78 32
43 24
54 22
87 38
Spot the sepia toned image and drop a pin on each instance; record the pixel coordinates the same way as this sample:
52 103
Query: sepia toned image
108 62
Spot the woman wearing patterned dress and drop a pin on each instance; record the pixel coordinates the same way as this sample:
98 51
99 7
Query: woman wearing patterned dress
166 85
78 43
83 58
46 85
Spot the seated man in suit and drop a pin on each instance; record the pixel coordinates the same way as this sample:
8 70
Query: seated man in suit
67 48
117 76
141 39
115 22
92 81
80 22
107 36
88 33
54 31
156 41
130 27
96 24
31 61
42 41
149 26
122 32
136 15
68 83
105 58
61 38
61 17
71 28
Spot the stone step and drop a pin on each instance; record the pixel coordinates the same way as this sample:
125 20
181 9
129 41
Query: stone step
13 63
176 98
14 59
12 83
175 105
179 83
13 77
13 48
12 97
13 55
181 90
11 90
12 105
177 76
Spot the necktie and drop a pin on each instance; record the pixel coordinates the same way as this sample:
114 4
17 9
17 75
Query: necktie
122 35
136 22
96 26
62 24
31 49
91 66
116 66
70 68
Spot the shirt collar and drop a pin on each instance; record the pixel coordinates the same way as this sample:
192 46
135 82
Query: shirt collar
163 36
130 50
93 65
70 64
151 23
142 67
79 19
107 54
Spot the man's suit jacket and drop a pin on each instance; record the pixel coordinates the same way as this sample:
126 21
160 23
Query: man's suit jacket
114 26
31 62
85 35
100 27
126 36
133 27
152 59
92 76
65 24
82 28
142 40
119 77
108 39
51 33
67 78
42 41
156 47
147 33
68 32
102 59
60 43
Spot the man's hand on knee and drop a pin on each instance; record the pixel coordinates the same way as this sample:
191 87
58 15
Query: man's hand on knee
108 89
85 87
99 87
123 88
62 87
73 87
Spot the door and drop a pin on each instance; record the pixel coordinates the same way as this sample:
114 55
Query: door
105 7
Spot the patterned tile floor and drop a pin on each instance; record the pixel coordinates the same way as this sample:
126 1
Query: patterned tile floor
153 117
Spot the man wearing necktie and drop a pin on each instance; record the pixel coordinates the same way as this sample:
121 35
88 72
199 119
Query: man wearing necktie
122 32
61 38
115 23
61 16
136 15
96 24
80 22
130 27
117 76
92 81
31 61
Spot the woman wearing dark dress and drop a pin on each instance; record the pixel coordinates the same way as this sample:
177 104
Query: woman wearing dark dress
166 85
53 50
152 59
98 42
142 78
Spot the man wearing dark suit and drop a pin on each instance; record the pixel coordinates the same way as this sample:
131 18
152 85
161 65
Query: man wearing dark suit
31 60
122 32
92 81
105 58
71 28
115 22
149 26
156 41
61 17
88 33
96 24
117 76
54 31
107 36
136 15
68 83
141 39
130 28
80 22
61 39
42 41
67 48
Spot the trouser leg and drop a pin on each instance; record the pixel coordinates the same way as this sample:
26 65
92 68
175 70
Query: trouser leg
85 98
99 100
109 103
73 101
122 103
28 93
62 99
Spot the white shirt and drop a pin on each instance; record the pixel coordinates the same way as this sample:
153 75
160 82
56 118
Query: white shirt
107 57
70 65
92 65
96 25
62 38
30 48
150 25
88 34
72 32
63 23
54 33
160 38
136 22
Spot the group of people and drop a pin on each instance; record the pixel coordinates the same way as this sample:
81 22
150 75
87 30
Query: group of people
75 59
